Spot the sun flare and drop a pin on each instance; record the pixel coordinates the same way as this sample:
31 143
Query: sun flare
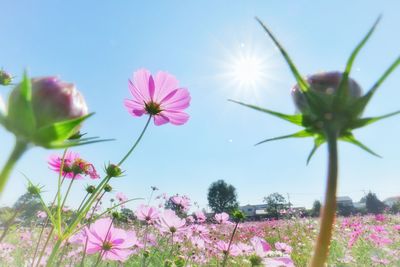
247 70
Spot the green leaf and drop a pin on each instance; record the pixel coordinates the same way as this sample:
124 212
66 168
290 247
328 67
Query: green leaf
295 119
300 81
58 131
20 118
342 91
318 141
351 139
363 101
303 133
366 121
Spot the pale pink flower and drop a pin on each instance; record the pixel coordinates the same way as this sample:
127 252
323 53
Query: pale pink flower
200 216
74 166
182 201
41 214
113 243
147 213
260 246
283 247
221 217
159 96
170 222
224 247
279 262
121 198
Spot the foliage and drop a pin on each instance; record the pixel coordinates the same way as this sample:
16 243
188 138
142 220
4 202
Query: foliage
316 208
373 204
275 204
222 197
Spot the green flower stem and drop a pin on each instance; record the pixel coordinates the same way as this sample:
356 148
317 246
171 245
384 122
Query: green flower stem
90 201
136 143
19 149
321 250
229 246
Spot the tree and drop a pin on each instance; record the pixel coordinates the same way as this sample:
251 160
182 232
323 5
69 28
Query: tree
222 197
344 210
316 208
275 203
373 204
28 205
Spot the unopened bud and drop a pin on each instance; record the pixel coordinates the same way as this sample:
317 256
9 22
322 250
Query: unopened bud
5 78
107 188
113 170
90 189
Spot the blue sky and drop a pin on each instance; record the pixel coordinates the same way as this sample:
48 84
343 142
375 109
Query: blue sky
98 45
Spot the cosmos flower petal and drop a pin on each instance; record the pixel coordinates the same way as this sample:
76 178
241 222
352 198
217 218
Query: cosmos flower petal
176 117
160 119
141 88
165 83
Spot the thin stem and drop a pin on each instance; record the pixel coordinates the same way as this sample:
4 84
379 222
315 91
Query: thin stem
44 247
83 201
321 250
67 193
229 246
136 143
19 149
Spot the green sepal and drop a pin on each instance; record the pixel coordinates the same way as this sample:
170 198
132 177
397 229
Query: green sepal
72 143
300 81
300 134
58 131
343 90
366 121
349 137
318 141
295 119
362 102
20 117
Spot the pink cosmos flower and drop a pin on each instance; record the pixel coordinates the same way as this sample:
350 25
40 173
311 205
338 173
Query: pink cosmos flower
170 222
223 247
283 247
221 217
121 198
260 246
200 216
279 262
74 166
113 243
159 96
41 214
182 201
147 213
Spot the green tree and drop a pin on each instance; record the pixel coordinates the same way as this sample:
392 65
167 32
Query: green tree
222 197
275 203
373 204
395 207
316 208
28 205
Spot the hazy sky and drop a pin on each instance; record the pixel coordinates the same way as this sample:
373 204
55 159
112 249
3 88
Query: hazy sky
97 45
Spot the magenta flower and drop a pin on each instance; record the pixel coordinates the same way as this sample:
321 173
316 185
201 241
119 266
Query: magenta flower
113 243
170 222
221 217
160 97
260 246
147 213
74 166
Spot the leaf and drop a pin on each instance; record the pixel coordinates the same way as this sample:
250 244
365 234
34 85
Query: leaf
318 141
351 139
366 121
300 81
342 91
363 101
58 131
303 133
295 119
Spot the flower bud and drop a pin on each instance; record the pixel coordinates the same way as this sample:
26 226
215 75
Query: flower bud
38 103
113 170
238 216
33 189
107 188
5 78
116 215
90 189
324 85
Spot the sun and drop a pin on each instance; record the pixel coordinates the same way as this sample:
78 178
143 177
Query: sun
248 70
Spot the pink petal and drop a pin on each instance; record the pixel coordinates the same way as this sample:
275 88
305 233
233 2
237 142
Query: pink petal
134 108
140 85
176 100
165 83
175 117
160 119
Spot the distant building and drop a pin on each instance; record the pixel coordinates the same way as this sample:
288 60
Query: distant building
360 205
391 201
344 201
254 210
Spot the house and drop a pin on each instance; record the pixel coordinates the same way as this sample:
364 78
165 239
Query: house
254 210
344 201
391 201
